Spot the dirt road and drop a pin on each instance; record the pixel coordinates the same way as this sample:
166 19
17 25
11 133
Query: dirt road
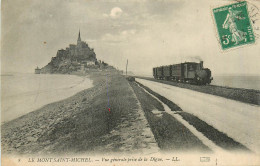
237 120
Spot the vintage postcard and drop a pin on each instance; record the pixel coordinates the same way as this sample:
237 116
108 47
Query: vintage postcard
130 82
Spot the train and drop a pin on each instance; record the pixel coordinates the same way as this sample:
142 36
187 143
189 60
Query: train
188 72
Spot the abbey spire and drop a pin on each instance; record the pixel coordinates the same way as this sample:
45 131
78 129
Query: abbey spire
79 39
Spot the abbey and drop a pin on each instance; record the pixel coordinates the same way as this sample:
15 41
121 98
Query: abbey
79 53
75 57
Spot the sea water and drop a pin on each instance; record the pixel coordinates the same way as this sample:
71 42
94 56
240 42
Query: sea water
235 81
24 93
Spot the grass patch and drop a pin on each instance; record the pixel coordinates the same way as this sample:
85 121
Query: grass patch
210 132
89 124
169 133
73 125
213 134
169 103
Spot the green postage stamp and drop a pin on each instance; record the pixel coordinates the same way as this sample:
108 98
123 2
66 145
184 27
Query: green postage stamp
233 25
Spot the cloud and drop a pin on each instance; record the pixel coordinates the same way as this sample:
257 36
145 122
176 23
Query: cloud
115 12
163 8
147 33
123 36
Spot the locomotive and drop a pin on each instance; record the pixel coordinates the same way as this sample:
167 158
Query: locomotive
188 72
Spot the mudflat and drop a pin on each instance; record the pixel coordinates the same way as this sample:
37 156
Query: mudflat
105 118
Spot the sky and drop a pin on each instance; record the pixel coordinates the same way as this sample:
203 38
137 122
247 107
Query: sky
148 33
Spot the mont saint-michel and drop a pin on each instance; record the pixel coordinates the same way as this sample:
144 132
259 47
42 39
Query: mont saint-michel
75 57
79 108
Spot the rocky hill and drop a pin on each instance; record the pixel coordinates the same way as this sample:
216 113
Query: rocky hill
75 57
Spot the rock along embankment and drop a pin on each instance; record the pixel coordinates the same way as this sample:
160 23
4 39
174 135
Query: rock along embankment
83 123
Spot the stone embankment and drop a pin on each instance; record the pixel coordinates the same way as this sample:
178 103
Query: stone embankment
103 119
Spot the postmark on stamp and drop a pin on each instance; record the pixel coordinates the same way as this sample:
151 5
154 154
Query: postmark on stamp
233 25
254 14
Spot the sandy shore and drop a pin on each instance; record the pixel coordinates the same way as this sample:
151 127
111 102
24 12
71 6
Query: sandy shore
24 93
82 123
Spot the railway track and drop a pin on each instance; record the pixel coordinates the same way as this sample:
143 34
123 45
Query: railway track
230 125
243 95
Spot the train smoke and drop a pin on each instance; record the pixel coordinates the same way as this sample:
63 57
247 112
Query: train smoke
193 59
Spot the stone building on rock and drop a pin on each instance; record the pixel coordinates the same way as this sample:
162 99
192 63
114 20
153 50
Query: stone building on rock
72 58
